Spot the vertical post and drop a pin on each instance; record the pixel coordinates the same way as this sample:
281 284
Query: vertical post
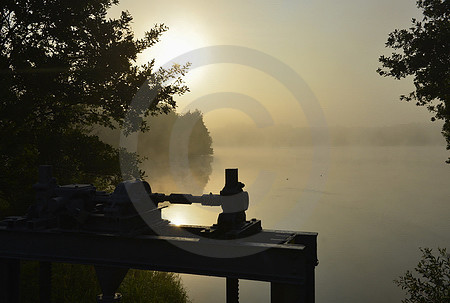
287 293
232 185
227 220
45 282
311 285
231 176
110 279
232 290
9 280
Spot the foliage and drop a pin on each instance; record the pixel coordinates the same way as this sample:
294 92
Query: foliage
163 145
64 67
155 146
156 142
78 283
425 55
152 286
433 285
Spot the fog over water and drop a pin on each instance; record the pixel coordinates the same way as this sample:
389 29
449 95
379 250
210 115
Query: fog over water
377 206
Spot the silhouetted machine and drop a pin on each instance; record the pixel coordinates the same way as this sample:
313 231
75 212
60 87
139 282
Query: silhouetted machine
124 229
131 209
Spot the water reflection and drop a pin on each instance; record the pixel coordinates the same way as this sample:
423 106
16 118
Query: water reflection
379 206
162 177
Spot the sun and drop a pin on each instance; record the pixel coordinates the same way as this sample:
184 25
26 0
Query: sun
172 44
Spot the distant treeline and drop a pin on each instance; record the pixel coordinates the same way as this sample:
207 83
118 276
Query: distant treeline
156 142
171 140
283 135
169 131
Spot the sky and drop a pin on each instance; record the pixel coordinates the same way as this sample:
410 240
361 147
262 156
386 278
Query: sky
332 46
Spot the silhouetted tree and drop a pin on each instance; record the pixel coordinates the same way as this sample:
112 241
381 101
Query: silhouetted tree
156 142
433 285
65 66
162 144
425 55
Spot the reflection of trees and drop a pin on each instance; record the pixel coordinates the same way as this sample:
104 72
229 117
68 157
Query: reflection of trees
178 151
163 179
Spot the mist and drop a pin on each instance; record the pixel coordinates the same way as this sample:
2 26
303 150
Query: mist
373 206
412 134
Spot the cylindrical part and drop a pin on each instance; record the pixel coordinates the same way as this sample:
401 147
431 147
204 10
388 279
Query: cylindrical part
179 198
231 176
232 185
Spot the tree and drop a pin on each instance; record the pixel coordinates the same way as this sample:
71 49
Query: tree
425 55
65 67
434 284
162 146
156 142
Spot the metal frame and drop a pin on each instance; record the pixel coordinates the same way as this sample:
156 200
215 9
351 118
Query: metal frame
285 259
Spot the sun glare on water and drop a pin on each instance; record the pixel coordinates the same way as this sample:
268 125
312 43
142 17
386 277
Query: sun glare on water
175 215
177 220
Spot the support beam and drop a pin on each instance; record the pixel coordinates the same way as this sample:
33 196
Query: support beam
232 290
110 279
45 282
287 293
285 259
9 280
283 263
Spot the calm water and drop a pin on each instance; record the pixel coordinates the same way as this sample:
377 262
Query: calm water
373 207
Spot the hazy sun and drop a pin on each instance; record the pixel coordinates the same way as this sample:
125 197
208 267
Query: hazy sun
173 44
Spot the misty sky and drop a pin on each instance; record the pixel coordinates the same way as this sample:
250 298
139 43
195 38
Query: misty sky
332 45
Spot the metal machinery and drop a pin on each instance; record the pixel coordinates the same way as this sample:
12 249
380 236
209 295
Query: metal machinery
124 229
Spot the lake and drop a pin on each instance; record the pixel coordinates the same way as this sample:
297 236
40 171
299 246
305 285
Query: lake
373 207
